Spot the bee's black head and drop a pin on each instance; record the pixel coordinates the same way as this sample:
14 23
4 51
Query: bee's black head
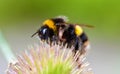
45 33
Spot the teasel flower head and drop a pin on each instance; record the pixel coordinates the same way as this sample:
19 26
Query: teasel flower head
49 59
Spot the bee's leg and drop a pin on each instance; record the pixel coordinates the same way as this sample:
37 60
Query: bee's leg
85 48
77 47
54 40
77 44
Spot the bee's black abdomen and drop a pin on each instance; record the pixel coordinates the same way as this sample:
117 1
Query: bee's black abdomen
83 37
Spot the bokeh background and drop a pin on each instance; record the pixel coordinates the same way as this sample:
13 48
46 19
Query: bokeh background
19 19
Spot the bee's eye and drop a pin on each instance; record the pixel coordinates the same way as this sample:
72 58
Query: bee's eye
44 31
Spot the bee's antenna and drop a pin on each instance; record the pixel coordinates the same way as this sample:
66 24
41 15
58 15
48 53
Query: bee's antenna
34 33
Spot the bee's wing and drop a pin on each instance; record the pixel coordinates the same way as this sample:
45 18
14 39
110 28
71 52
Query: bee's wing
84 25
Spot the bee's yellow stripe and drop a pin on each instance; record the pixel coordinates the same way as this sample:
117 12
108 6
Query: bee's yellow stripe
78 30
50 24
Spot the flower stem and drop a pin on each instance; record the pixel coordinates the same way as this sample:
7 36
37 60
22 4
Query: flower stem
5 49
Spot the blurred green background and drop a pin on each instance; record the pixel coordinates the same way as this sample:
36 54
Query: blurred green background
19 19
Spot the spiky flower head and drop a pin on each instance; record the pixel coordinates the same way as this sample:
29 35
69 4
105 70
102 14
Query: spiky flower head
49 59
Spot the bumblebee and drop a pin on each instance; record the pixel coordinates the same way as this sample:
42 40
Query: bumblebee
49 29
73 35
58 30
